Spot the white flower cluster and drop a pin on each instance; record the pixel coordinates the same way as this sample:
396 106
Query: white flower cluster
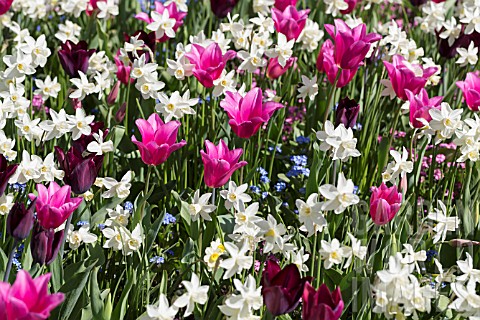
334 253
339 140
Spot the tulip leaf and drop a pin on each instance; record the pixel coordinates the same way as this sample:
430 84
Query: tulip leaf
153 231
121 307
3 262
95 299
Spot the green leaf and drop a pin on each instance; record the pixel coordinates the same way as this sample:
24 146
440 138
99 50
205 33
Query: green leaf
121 307
99 216
152 232
95 299
188 255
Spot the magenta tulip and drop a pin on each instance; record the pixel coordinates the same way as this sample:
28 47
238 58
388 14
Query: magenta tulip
403 77
158 139
326 63
351 45
420 106
290 21
283 4
5 6
275 70
384 204
220 163
282 288
209 62
172 12
28 298
248 113
54 204
123 70
471 90
351 6
321 304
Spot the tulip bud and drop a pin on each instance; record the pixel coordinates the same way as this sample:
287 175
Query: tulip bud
121 112
283 4
321 304
6 171
347 113
20 220
45 244
275 70
5 6
112 96
458 243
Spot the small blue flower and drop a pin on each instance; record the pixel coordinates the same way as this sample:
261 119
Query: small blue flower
264 195
262 171
168 218
303 140
128 206
358 126
82 223
285 204
101 226
431 254
264 179
302 190
280 186
355 189
295 211
157 260
255 189
299 160
170 252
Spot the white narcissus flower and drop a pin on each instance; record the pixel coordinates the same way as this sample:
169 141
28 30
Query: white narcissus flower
249 298
467 300
114 238
119 189
445 122
224 83
339 197
162 24
180 68
246 219
68 31
48 88
234 195
272 232
27 170
283 50
264 23
84 87
99 146
332 253
107 8
340 140
251 60
311 36
196 293
48 170
133 241
213 253
6 203
472 19
412 257
200 206
467 269
160 311
335 6
309 88
263 6
238 260
118 217
80 123
38 49
28 128
399 168
299 259
19 65
175 106
310 214
355 250
142 69
452 31
181 4
149 86
468 56
82 235
443 223
58 126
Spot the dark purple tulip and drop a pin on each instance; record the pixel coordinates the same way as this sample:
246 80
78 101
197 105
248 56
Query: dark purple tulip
80 171
418 3
45 244
20 220
149 39
6 171
221 8
463 41
321 304
74 57
282 289
347 113
121 112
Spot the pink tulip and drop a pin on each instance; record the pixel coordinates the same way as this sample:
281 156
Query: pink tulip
5 6
471 90
209 62
275 70
158 139
220 163
173 14
384 204
420 106
351 45
248 113
290 22
326 63
27 298
403 77
54 204
123 71
283 4
351 6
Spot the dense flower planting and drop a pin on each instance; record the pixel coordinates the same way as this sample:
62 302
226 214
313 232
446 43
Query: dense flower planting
239 159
